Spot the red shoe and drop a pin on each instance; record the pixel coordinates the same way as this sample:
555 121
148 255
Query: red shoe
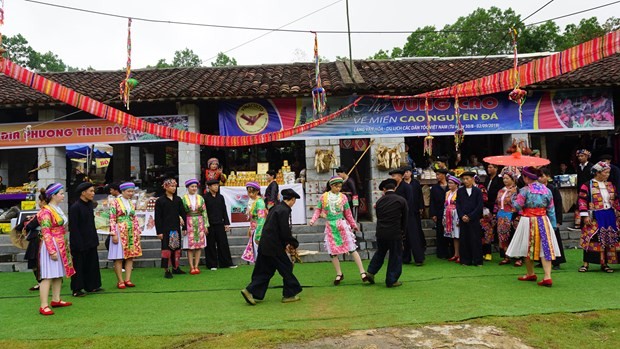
457 260
121 285
532 277
61 303
194 272
546 283
45 312
128 283
197 271
452 259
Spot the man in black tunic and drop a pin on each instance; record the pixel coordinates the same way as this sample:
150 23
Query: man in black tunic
469 209
404 190
418 243
217 250
84 241
584 174
272 193
168 212
438 198
392 212
275 241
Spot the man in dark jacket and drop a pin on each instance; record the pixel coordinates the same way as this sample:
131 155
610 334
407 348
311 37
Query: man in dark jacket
217 251
392 215
418 243
406 192
275 241
84 241
584 174
438 198
272 193
469 209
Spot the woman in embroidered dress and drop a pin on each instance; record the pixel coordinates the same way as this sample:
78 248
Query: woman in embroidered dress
486 222
197 223
505 213
599 232
339 239
257 212
451 217
54 255
125 233
534 237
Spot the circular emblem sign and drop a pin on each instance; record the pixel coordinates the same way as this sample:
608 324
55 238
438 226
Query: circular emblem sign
252 118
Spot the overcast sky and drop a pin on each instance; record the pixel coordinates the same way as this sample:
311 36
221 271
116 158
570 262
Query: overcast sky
82 39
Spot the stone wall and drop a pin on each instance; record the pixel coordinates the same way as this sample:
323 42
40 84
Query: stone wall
189 154
316 182
57 172
376 175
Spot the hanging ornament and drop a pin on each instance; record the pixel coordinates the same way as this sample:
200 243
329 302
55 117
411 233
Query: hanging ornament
2 50
428 140
459 134
129 83
319 96
517 95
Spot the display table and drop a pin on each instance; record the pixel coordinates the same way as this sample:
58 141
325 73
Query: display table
237 201
569 197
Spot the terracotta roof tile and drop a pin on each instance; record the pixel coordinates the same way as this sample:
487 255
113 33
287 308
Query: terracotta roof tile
407 76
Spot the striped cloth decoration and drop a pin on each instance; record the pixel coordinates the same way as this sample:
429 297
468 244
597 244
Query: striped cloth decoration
539 70
96 108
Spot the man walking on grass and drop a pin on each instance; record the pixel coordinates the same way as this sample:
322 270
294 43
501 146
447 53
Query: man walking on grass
275 241
392 212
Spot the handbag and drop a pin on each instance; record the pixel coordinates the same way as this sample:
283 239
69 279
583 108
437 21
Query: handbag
174 241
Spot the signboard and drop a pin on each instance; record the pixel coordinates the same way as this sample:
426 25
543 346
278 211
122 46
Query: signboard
543 111
63 133
236 199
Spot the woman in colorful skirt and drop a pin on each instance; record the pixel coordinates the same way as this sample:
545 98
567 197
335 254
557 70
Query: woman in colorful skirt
125 233
534 237
599 231
339 238
257 212
54 255
451 218
486 222
505 213
197 224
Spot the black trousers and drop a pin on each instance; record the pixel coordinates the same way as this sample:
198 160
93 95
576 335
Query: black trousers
264 269
395 260
87 276
444 249
217 252
415 243
470 247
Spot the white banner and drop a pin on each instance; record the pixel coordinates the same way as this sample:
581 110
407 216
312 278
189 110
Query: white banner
237 201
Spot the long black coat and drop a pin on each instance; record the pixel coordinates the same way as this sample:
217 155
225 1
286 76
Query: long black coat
470 206
438 198
277 232
493 187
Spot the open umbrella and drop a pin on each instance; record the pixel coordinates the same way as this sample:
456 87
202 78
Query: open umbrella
516 159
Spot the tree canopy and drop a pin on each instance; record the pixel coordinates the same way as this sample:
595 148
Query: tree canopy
19 51
486 32
182 59
222 60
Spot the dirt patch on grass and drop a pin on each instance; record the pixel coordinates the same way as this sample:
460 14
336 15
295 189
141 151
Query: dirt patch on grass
441 336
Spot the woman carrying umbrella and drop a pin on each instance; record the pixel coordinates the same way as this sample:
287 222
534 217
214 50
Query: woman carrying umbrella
451 217
599 232
534 237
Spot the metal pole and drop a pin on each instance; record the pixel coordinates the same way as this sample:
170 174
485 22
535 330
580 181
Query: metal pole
349 33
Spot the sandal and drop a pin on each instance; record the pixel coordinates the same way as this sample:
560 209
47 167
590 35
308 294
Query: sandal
605 268
339 278
121 285
504 261
46 311
364 277
128 283
518 263
583 268
34 288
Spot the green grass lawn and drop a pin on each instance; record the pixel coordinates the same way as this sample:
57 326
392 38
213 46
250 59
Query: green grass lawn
208 308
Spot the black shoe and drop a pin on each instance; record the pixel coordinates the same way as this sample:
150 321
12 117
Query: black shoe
539 265
556 267
396 284
178 271
168 274
98 289
79 294
370 277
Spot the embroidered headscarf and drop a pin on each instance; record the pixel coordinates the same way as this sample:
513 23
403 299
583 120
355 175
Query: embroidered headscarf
253 185
335 180
170 182
600 167
512 174
585 152
53 189
127 185
191 181
454 179
212 161
530 173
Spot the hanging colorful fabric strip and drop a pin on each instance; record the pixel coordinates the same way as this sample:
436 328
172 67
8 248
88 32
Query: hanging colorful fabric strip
2 50
129 83
428 140
537 70
459 134
96 108
319 96
517 95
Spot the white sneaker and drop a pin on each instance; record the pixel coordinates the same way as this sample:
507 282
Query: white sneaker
213 269
233 267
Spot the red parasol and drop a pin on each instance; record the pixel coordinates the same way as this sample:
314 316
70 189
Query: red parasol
516 159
